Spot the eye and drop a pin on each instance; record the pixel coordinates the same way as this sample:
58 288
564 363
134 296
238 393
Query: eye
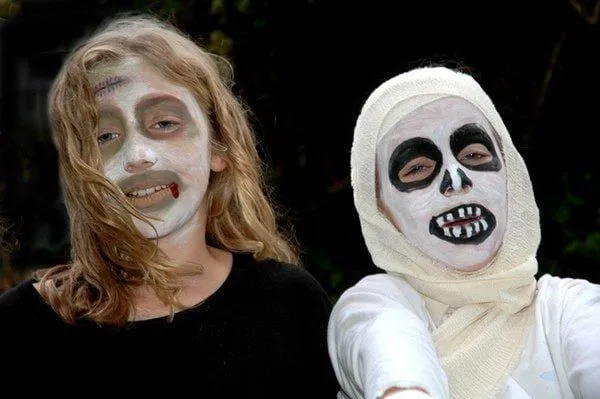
474 154
417 169
105 138
166 126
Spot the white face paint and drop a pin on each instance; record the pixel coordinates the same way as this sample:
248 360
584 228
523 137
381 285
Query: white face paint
443 183
154 139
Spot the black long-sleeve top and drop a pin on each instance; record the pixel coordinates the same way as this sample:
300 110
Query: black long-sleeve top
262 334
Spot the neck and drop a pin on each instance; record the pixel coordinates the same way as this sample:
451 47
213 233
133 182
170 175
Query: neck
188 245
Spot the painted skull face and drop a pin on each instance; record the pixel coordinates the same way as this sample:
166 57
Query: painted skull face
443 183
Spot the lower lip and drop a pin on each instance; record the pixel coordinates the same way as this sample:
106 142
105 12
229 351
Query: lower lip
155 198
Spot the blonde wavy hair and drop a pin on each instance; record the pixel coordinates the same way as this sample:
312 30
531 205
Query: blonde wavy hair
109 257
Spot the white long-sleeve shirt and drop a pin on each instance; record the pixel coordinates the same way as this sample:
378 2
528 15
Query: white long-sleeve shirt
380 337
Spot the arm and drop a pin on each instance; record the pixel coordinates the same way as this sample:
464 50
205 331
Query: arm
580 337
401 393
378 340
314 308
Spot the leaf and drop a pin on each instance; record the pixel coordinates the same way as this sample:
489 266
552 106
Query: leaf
562 214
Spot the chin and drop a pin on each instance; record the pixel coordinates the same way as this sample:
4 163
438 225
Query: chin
148 232
466 258
181 216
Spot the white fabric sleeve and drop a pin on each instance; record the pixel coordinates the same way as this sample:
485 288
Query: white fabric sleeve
378 338
580 336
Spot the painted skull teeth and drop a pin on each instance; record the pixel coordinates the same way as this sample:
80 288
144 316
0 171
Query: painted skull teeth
458 214
466 230
465 224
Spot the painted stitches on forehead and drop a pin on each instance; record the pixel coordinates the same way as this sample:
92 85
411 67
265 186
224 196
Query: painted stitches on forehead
109 85
473 148
414 164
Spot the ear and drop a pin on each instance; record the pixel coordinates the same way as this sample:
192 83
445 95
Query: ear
217 163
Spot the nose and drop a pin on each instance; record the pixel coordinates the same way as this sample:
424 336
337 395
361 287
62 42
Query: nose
139 157
455 182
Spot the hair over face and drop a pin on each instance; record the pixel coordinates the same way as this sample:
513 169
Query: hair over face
109 256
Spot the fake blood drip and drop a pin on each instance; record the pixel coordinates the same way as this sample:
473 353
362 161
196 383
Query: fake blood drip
174 190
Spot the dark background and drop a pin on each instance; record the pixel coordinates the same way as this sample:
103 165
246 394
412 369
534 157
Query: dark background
305 68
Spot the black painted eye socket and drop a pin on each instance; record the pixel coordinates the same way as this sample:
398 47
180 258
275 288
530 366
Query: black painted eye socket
474 149
414 164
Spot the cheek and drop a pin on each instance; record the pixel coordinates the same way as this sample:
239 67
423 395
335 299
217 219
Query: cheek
190 158
113 169
491 186
414 207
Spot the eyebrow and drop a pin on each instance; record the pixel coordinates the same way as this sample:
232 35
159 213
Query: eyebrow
152 100
109 85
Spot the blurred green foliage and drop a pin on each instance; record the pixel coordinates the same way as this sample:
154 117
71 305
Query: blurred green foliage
9 9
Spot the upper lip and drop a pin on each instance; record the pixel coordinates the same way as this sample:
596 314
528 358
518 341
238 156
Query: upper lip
460 213
457 226
147 180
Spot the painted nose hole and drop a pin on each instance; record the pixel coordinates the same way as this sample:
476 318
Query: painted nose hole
446 187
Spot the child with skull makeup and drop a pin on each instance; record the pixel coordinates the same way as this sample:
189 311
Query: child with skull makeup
448 212
180 278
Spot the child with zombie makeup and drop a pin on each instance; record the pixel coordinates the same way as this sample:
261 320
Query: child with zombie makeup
448 212
179 277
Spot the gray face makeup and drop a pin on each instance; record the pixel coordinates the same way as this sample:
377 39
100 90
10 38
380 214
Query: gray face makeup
443 184
154 140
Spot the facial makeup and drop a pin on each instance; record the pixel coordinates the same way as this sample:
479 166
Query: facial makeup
154 139
443 184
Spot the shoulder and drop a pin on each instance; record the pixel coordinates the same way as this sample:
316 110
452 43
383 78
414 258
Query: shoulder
17 297
385 286
384 281
554 290
569 297
272 275
21 307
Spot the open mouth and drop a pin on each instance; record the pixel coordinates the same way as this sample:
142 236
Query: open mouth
146 192
151 189
145 197
465 224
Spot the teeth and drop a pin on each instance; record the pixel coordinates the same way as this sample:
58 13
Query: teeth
469 231
148 191
440 221
484 224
